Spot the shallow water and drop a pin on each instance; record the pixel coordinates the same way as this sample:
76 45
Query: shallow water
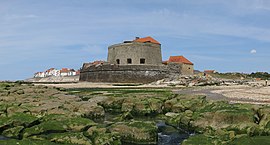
169 135
3 138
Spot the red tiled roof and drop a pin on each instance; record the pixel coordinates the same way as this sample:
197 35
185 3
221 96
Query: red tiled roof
64 70
49 70
147 39
209 71
179 59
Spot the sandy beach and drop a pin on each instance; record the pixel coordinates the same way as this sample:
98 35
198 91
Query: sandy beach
234 93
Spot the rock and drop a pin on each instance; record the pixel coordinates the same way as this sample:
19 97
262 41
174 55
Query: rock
126 116
69 138
181 103
173 119
171 114
13 132
112 104
191 84
90 110
264 116
159 82
128 104
5 123
189 113
17 109
141 108
246 140
27 142
54 124
100 137
21 119
201 139
136 132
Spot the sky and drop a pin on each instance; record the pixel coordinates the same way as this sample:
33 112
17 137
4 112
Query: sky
224 35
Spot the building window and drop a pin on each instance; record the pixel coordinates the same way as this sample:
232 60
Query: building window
189 68
118 61
129 61
142 61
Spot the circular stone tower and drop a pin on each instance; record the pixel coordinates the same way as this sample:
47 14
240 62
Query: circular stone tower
141 51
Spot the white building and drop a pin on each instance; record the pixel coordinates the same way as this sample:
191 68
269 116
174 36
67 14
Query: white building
57 73
39 75
71 72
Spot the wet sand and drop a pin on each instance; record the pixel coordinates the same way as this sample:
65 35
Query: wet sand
233 94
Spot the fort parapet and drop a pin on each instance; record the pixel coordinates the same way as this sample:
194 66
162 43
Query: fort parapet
124 73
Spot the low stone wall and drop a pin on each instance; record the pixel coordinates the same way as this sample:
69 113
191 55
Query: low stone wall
124 73
54 79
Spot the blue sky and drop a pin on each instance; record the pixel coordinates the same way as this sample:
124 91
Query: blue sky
225 35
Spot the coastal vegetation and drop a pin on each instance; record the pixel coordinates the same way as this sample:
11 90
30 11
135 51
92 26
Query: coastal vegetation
41 115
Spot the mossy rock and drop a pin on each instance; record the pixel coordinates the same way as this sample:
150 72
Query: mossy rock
182 120
264 115
128 104
23 119
137 132
174 120
125 116
112 104
17 119
155 105
4 121
28 142
246 128
256 140
223 115
178 108
141 108
59 126
3 109
17 109
75 138
14 132
181 103
99 136
91 112
201 140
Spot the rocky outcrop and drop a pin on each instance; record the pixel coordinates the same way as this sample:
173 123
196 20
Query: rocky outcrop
136 132
45 115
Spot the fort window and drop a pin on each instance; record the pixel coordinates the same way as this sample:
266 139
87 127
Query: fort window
129 61
142 61
118 61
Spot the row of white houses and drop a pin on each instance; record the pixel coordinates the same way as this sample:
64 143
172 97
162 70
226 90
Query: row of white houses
57 73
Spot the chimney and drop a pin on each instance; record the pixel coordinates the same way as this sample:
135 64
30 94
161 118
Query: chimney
137 38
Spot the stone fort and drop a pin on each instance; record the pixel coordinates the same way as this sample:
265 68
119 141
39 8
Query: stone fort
136 61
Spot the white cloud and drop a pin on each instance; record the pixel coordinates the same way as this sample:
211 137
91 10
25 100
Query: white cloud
253 51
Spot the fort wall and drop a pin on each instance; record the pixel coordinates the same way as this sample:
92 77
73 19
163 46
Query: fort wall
124 73
136 52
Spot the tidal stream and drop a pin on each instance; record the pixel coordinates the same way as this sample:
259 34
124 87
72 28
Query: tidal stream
168 135
3 138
